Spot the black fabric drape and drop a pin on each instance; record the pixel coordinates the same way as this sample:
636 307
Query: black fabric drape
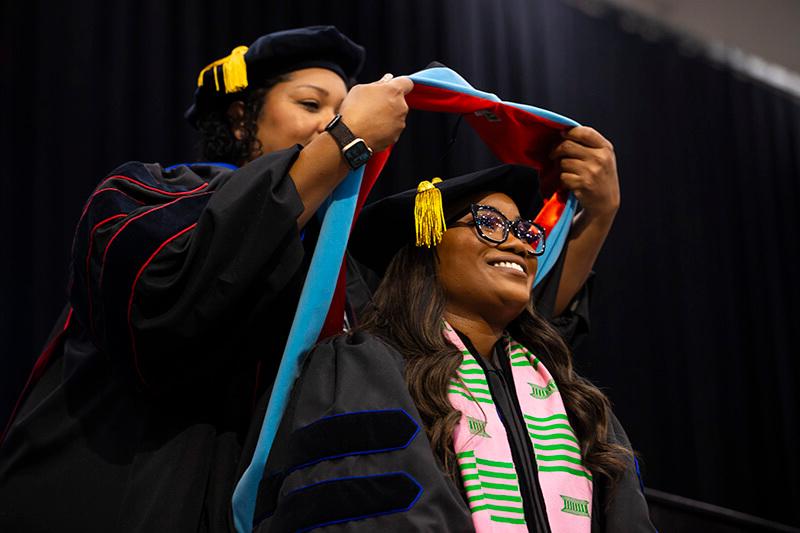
694 313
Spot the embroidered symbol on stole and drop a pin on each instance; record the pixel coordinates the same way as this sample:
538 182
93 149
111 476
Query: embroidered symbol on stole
575 506
477 427
542 393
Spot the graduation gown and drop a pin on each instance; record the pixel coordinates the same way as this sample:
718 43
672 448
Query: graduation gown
352 451
184 284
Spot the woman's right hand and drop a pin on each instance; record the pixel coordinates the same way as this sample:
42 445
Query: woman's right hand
377 111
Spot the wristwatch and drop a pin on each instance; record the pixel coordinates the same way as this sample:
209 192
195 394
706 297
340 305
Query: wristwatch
354 149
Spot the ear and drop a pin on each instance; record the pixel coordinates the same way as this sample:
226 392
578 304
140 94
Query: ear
235 116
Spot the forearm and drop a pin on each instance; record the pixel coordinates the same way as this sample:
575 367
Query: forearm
317 171
586 238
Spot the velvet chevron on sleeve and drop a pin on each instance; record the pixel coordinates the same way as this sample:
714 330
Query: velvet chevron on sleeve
352 450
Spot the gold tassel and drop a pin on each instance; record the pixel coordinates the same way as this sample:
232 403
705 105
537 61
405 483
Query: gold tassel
234 71
429 214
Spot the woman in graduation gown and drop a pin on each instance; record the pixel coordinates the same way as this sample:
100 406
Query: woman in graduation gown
455 406
184 282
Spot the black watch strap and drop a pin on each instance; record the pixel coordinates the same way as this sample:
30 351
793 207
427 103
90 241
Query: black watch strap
340 132
354 149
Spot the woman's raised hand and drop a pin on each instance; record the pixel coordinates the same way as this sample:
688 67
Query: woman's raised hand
588 167
376 111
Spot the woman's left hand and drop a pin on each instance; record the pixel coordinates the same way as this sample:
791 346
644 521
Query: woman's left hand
587 166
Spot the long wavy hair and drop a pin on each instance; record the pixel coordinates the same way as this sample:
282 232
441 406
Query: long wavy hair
407 312
218 142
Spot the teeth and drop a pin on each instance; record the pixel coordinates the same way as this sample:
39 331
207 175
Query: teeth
508 264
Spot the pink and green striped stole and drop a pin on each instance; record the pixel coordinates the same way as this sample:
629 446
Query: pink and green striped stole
484 455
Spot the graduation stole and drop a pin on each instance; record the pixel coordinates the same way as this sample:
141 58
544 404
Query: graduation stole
515 133
484 455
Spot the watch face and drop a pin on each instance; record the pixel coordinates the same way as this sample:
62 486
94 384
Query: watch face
358 154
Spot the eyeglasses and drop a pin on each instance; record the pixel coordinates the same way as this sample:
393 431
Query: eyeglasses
493 226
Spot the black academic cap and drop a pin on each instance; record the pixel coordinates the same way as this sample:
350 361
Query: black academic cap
272 55
385 226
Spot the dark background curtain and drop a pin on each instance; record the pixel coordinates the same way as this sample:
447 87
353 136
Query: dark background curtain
694 313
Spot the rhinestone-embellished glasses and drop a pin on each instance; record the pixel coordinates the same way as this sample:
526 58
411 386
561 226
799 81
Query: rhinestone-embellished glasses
493 226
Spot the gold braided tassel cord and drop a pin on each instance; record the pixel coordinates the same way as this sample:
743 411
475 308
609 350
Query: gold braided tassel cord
429 214
234 71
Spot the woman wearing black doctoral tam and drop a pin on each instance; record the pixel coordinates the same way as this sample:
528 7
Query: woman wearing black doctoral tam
454 406
184 281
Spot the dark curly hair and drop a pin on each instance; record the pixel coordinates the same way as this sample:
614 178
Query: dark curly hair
218 143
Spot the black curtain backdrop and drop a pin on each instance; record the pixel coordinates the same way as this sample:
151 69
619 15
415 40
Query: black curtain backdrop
695 327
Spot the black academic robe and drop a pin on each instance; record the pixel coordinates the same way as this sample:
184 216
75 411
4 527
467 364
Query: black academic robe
351 450
184 283
144 409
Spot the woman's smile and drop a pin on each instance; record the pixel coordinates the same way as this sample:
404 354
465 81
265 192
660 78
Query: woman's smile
512 266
